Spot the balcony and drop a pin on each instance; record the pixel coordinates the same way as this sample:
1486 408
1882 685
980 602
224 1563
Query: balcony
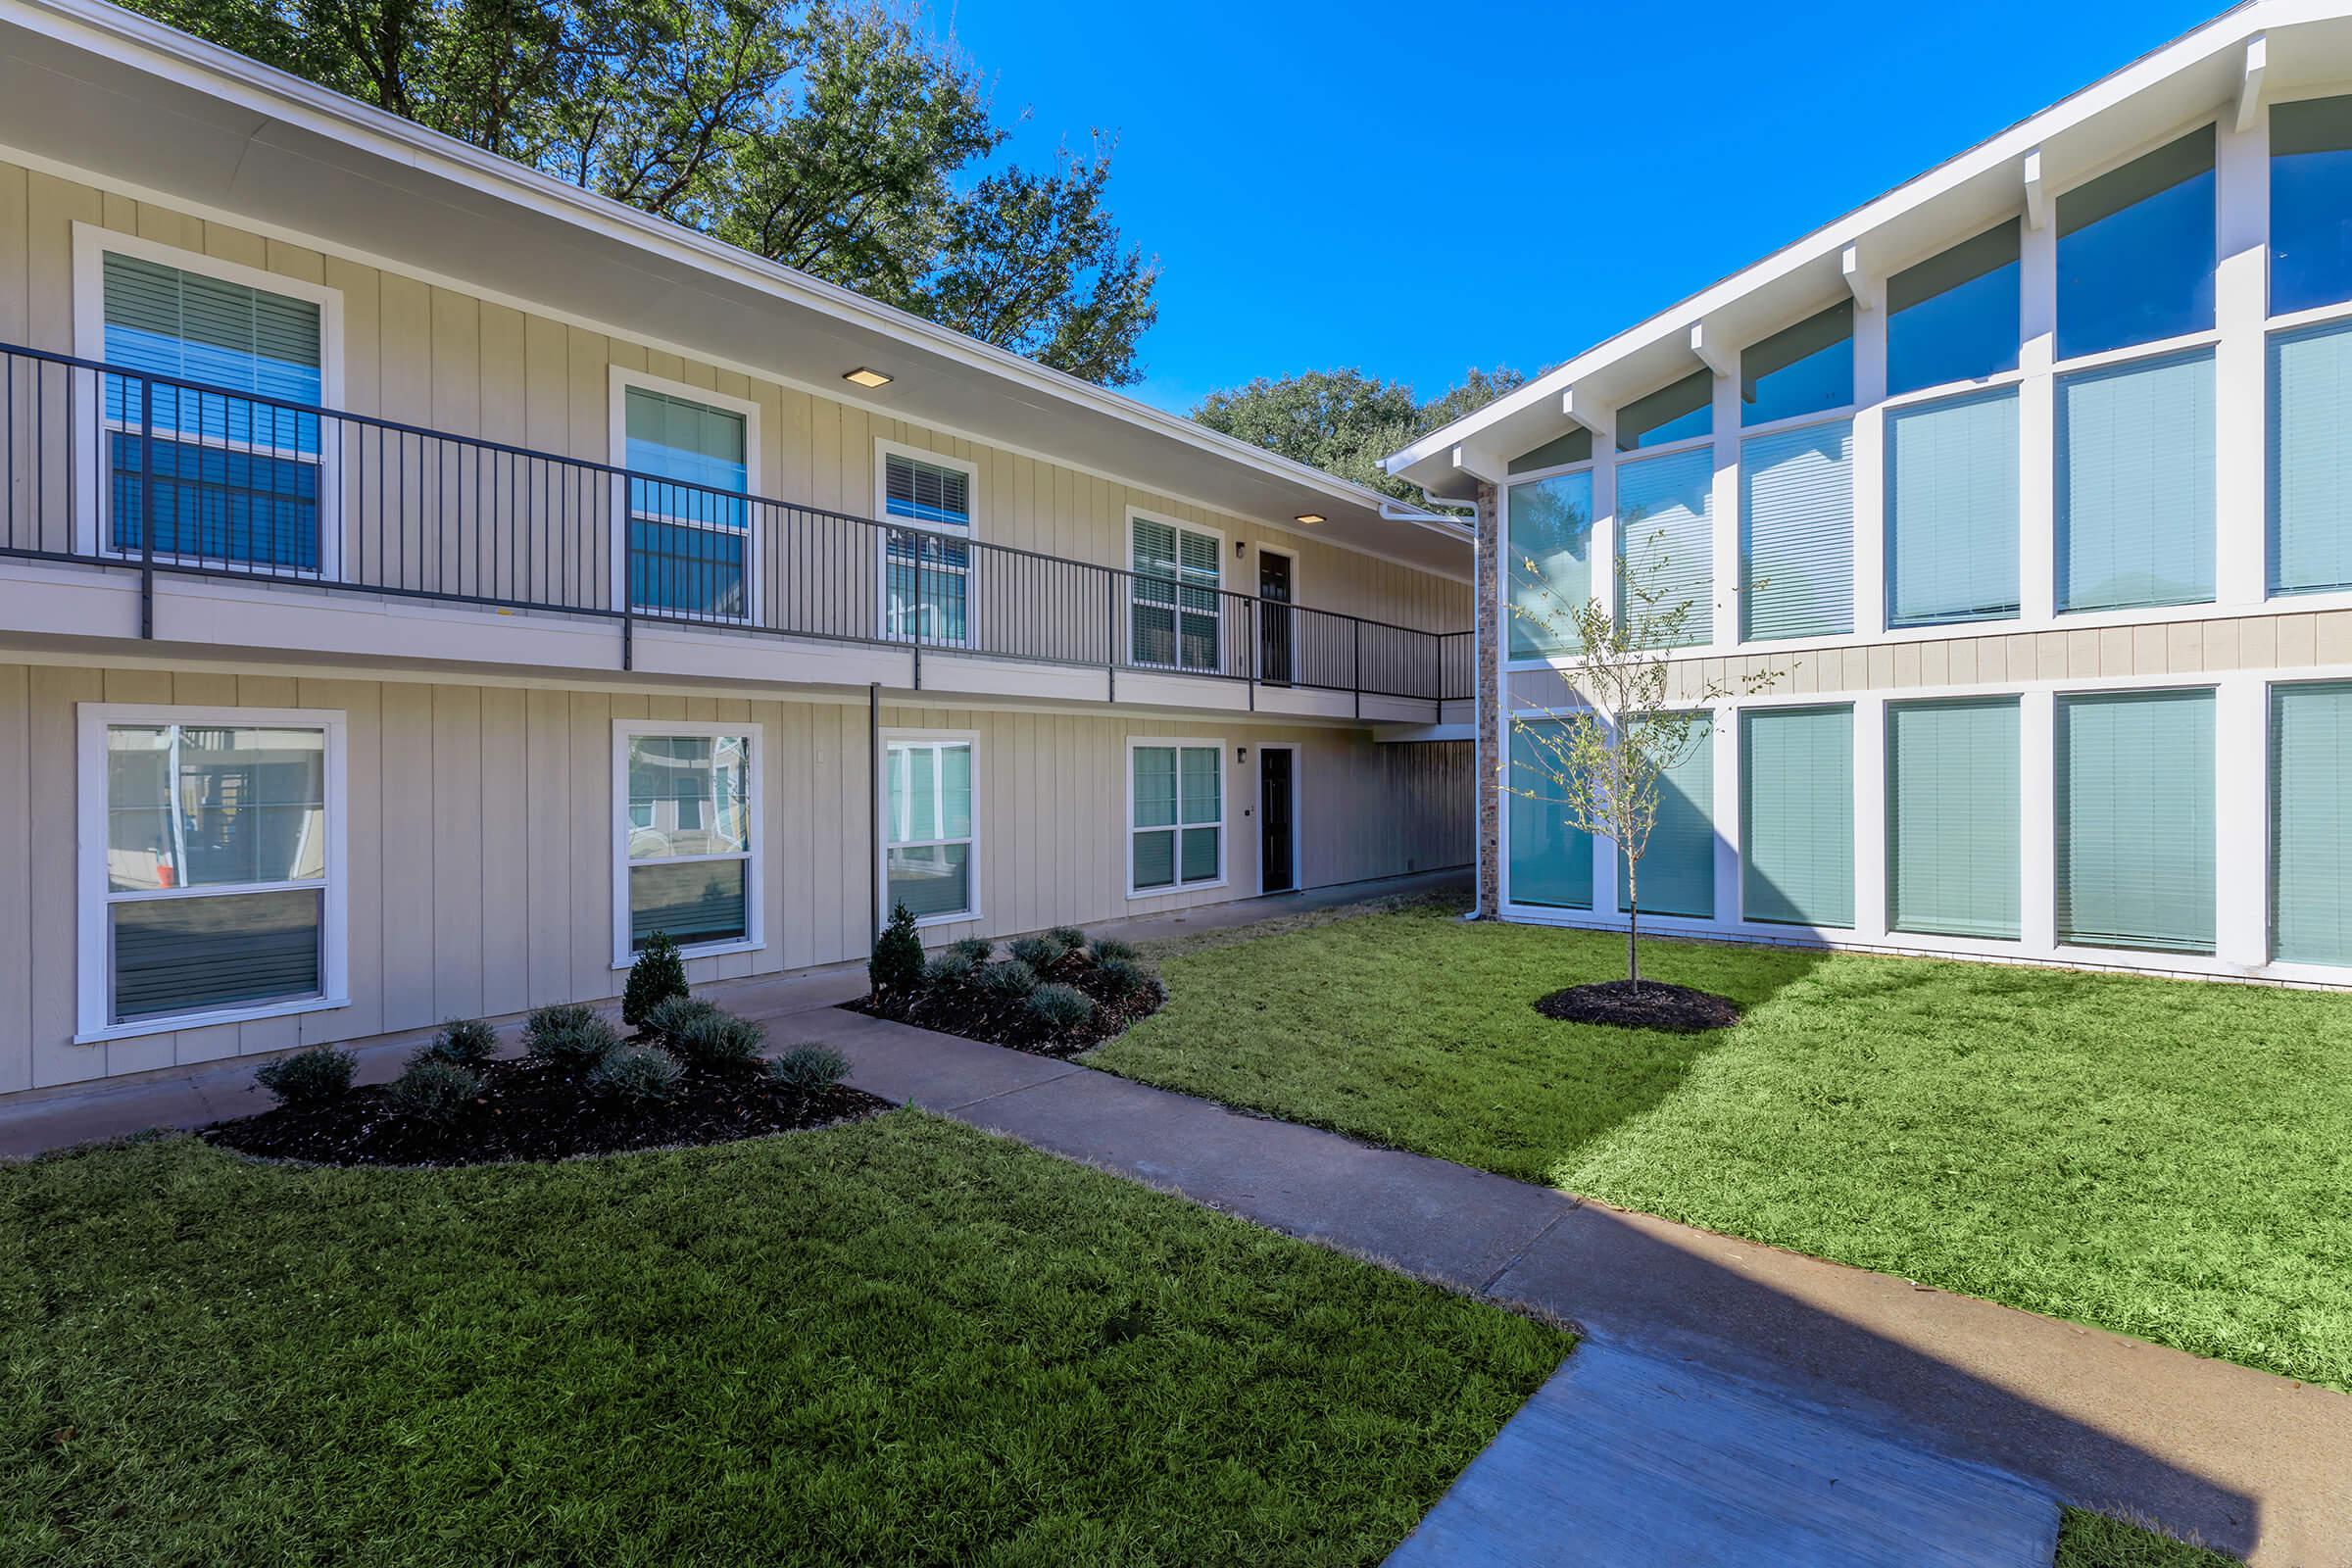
256 498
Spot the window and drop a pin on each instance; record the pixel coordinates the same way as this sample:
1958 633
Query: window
1951 509
1952 815
2135 250
2135 820
689 519
1678 412
235 479
2310 204
1552 857
2310 459
1678 866
1954 316
1797 532
1666 539
212 869
1557 452
927 580
1176 815
927 807
688 830
1797 816
1552 526
2311 823
2135 468
1805 368
1175 613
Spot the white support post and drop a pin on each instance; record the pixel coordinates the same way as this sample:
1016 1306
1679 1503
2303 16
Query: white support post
1870 464
2240 297
1602 423
2038 842
2241 821
1870 818
1724 513
2037 436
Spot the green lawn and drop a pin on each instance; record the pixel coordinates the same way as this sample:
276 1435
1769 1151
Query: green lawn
2163 1158
2094 1541
896 1341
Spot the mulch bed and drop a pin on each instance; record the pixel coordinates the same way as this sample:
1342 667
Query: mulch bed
1676 1010
978 1015
533 1110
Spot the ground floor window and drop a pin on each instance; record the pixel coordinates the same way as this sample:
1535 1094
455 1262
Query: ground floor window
212 875
1552 857
1176 814
1797 816
1678 864
927 808
2311 823
688 830
2135 822
1953 825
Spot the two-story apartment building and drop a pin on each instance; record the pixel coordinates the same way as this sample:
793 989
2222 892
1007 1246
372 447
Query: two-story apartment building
421 580
2028 488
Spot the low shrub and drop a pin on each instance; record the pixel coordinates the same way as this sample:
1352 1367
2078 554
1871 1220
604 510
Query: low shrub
718 1040
676 1013
636 1075
1123 977
979 949
949 969
1038 953
1010 979
1073 938
658 975
435 1090
569 1036
897 967
466 1042
1058 1009
806 1069
1106 948
308 1077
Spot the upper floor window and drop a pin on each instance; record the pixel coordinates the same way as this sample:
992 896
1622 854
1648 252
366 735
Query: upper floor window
234 480
1954 316
2135 249
928 576
1175 616
2135 483
1805 368
2310 204
1676 412
1551 566
1557 452
689 520
1951 502
925 491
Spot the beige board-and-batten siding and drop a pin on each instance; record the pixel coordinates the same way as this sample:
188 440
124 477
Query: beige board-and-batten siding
480 826
446 360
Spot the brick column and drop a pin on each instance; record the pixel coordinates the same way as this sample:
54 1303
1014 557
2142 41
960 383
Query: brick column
1491 753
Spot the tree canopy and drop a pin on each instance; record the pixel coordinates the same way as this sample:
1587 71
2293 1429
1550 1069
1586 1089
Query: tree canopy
1344 422
837 136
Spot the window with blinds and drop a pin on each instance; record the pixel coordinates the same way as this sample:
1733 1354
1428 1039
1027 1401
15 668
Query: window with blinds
2311 823
1176 815
926 492
1797 532
215 867
686 831
1953 804
1951 509
1678 866
2136 823
1176 614
1666 541
928 807
2310 459
689 516
928 567
2135 467
233 476
1551 858
1797 816
1550 565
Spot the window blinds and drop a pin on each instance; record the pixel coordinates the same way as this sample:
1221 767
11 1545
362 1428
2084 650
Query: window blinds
2135 822
1678 868
2135 484
1951 509
2311 458
1797 816
1797 532
2311 823
1665 539
1952 817
1551 860
928 492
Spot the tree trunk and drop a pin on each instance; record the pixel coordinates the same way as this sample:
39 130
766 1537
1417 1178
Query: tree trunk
1633 923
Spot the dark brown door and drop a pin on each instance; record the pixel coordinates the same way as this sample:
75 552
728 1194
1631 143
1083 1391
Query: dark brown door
1276 798
1274 618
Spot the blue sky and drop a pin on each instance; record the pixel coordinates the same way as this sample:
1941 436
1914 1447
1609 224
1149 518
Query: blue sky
1416 189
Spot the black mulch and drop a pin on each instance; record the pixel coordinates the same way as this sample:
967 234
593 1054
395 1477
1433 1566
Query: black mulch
1677 1009
976 1015
532 1110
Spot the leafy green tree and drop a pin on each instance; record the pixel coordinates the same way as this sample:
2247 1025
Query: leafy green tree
837 136
1344 422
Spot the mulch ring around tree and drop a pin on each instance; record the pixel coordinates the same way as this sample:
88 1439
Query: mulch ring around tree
1676 1010
969 1009
532 1109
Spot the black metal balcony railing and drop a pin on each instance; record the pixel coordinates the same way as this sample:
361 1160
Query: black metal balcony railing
243 484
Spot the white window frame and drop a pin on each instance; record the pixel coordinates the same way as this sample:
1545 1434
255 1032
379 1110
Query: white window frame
94 978
1223 823
1131 602
930 738
968 535
622 380
93 493
754 736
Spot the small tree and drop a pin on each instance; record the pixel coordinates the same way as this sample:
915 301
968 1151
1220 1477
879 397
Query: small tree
658 975
897 967
1601 761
